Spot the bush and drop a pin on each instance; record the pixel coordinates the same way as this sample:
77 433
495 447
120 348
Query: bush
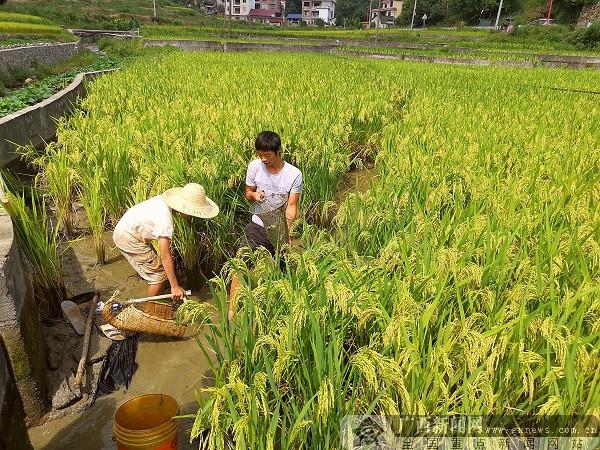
555 33
588 37
119 24
17 74
121 48
129 48
126 24
163 21
5 79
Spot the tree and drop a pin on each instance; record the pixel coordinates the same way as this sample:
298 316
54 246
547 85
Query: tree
567 11
469 11
436 10
293 6
351 10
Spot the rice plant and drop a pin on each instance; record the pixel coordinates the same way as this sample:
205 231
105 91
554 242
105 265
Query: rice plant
39 244
58 180
90 191
463 281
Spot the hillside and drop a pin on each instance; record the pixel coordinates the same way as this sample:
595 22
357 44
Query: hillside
110 13
131 13
23 28
469 12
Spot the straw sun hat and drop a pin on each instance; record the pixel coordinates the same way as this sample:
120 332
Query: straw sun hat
191 200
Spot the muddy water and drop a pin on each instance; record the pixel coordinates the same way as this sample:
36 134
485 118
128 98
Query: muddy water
176 367
356 181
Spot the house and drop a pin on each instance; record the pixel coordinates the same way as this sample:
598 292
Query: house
269 4
293 19
268 16
318 9
238 9
387 13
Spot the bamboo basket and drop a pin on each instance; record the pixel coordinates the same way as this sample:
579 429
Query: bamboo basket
150 317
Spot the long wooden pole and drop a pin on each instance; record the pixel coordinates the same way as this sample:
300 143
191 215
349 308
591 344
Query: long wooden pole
86 341
156 297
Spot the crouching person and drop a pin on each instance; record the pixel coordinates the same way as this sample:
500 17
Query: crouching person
269 174
152 220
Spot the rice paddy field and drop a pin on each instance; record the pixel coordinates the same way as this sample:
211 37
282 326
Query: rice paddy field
464 281
23 28
463 40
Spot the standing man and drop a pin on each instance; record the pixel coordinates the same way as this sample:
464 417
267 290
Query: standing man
152 220
270 173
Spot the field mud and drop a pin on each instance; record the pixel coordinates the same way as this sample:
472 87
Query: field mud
171 366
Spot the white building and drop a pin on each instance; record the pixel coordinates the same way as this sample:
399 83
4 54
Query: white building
387 14
239 9
318 9
269 4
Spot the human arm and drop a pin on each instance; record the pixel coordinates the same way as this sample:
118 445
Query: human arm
252 195
164 243
291 212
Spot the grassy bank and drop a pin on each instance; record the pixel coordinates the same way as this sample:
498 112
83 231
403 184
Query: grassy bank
44 81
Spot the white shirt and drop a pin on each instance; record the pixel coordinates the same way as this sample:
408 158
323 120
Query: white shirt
147 221
287 181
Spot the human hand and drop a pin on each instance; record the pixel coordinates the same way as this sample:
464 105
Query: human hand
177 293
259 196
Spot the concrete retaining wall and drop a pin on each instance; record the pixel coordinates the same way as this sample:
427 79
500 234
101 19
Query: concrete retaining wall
12 418
576 62
20 325
36 124
29 55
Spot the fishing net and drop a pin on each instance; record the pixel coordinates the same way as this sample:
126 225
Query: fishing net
272 213
118 367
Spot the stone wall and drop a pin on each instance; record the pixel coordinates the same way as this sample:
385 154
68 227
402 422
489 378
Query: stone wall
590 13
29 55
20 325
36 124
12 418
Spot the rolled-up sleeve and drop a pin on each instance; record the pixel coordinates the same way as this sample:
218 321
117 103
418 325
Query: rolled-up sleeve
251 175
297 184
